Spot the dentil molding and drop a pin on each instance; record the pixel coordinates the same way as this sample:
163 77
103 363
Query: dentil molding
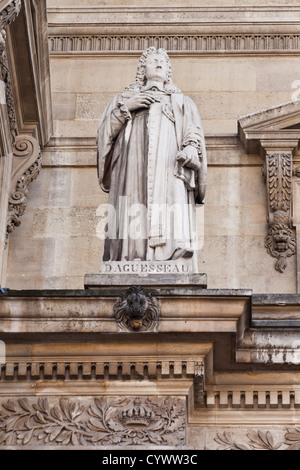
240 43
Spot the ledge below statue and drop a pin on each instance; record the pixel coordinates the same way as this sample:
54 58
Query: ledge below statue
164 273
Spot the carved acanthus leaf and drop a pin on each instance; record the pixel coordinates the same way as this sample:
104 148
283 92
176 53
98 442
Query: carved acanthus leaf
98 421
279 179
26 167
256 440
292 439
9 12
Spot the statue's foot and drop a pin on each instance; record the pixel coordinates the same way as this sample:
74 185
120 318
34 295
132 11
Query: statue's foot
183 253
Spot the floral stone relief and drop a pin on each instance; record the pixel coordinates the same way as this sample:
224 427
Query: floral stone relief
94 421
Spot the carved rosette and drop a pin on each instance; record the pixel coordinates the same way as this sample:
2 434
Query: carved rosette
137 310
97 422
26 168
281 241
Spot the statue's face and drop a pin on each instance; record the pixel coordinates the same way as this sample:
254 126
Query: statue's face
156 68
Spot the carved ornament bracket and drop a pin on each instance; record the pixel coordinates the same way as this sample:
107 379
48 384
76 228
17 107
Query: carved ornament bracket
278 172
26 168
273 133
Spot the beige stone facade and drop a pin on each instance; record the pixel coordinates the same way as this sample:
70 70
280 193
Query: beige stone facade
229 71
226 358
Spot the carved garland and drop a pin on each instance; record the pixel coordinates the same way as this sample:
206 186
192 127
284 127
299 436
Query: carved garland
103 421
281 241
259 440
27 166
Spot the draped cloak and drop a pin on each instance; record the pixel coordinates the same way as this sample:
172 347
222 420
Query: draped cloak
151 211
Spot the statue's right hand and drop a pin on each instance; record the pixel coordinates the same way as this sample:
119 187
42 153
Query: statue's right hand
139 100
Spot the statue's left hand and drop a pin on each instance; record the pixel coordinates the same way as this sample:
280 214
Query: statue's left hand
193 160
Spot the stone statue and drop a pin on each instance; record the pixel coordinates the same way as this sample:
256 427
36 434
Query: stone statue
152 161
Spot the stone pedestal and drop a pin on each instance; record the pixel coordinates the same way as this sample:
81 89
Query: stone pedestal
94 281
146 273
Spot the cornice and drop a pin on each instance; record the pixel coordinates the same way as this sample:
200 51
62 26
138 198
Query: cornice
98 317
273 124
180 30
200 15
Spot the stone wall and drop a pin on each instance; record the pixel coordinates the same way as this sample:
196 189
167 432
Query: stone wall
57 243
223 88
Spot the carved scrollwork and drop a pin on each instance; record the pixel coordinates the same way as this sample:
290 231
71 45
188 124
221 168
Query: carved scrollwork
101 421
136 310
280 241
26 168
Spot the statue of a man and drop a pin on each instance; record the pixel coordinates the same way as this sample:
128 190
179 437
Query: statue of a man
152 161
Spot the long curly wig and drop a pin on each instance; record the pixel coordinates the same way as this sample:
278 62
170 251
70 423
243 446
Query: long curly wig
140 79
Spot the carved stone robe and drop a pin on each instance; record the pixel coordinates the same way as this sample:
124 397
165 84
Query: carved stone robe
152 209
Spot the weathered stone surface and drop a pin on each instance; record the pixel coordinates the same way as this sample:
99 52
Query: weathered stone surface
91 105
183 3
170 14
51 189
94 422
65 221
64 106
90 195
284 82
182 308
217 369
96 280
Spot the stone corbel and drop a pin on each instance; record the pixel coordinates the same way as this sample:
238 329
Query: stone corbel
278 172
274 133
26 167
